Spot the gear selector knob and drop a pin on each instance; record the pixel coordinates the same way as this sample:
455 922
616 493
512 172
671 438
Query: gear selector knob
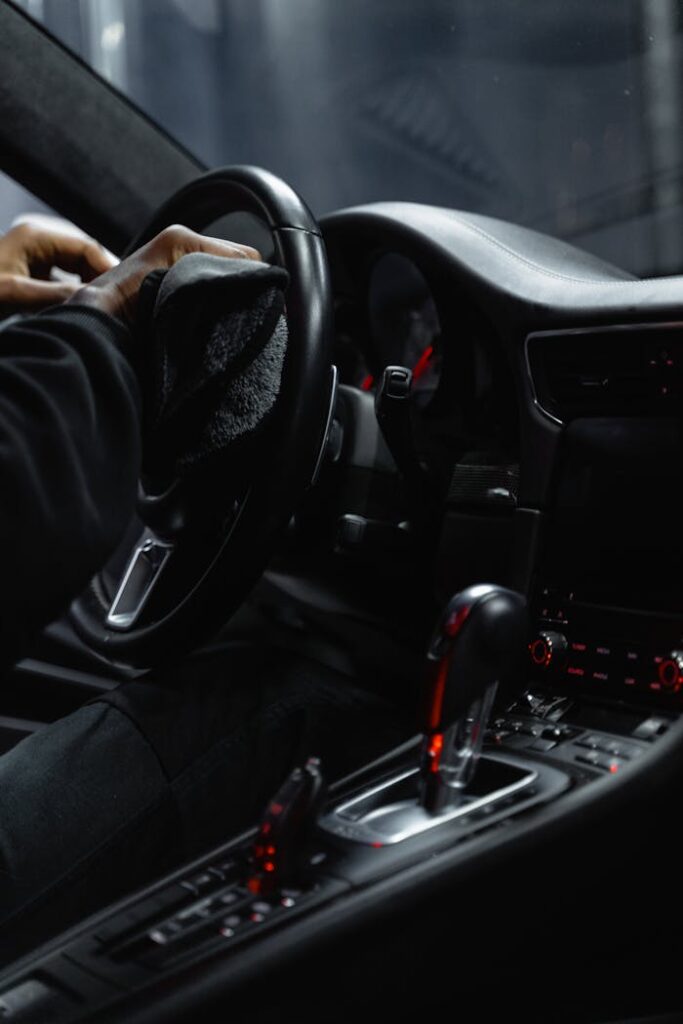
476 645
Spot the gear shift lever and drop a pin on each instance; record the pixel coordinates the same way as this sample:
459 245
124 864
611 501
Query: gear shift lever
472 650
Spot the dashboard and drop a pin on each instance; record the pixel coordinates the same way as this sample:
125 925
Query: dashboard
546 405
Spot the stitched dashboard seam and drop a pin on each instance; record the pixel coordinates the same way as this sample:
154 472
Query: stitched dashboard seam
537 267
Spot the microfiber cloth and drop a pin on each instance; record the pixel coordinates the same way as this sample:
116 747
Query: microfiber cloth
215 362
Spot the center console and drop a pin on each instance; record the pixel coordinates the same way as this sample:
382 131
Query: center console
440 800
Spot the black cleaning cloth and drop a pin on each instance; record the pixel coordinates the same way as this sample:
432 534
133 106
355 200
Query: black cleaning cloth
214 360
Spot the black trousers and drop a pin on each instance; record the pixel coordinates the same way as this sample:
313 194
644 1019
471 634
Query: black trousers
151 775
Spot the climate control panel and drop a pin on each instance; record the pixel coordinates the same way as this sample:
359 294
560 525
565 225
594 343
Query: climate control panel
606 649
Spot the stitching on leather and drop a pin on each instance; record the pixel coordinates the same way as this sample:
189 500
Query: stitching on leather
536 266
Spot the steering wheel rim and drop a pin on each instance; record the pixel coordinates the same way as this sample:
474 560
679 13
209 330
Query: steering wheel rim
296 439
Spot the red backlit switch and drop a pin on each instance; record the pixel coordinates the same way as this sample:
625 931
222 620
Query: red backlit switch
280 848
548 648
670 671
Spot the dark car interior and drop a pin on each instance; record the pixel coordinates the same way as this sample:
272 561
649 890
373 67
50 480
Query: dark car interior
470 508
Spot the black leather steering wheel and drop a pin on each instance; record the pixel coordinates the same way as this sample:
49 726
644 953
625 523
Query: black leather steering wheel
193 554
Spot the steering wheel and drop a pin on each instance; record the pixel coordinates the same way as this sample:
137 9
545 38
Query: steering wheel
196 549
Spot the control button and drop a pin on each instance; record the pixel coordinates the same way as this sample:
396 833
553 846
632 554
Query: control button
548 648
609 764
233 921
670 672
226 867
590 757
228 898
590 740
261 907
651 728
189 920
289 897
530 730
559 733
626 750
197 913
543 746
167 899
165 933
225 870
214 906
555 732
200 883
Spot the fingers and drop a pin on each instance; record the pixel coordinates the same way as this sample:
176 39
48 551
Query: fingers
234 250
116 291
72 253
28 293
177 241
82 256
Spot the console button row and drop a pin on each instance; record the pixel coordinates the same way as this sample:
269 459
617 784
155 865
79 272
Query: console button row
212 877
608 753
243 909
608 745
545 737
219 916
597 760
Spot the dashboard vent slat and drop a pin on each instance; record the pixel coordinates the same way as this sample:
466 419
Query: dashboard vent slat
620 371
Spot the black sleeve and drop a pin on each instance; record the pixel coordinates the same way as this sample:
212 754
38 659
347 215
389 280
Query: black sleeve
69 457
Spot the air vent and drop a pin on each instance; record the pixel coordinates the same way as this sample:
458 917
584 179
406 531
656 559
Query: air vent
615 371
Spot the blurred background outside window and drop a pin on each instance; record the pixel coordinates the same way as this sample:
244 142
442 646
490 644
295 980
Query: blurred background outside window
563 115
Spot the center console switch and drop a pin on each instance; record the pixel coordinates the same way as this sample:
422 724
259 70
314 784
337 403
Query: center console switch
604 738
279 851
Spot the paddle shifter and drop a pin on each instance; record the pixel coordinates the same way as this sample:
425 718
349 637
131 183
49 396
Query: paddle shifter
472 650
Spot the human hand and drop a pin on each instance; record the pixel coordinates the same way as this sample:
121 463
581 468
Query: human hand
116 292
28 254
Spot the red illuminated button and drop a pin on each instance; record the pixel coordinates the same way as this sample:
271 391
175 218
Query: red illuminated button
548 648
670 671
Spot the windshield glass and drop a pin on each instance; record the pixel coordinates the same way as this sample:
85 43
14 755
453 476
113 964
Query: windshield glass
563 115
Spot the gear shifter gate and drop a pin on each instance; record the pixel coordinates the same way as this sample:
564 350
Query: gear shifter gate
392 812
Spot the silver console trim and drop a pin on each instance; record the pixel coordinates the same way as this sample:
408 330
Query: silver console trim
411 818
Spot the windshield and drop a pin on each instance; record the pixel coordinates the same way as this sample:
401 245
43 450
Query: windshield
562 115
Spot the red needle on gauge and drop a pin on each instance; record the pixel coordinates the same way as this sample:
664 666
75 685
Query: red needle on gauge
423 362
